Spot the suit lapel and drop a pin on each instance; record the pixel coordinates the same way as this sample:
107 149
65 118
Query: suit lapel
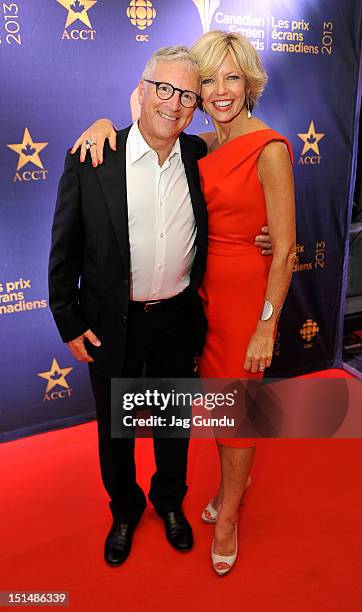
112 177
192 174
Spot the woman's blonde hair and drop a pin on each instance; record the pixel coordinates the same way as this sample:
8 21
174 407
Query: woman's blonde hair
210 50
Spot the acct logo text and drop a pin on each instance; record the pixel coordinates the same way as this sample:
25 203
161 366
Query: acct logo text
28 152
77 13
56 377
310 154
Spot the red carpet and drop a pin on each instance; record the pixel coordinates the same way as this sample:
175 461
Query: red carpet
300 529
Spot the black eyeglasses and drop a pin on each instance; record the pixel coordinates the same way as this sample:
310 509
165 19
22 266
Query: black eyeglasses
165 91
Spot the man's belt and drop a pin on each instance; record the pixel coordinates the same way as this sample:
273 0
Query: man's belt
152 305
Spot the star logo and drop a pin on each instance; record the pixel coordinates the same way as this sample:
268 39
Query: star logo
28 151
311 139
55 376
77 9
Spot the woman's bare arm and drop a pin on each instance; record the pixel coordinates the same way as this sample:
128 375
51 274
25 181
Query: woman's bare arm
275 170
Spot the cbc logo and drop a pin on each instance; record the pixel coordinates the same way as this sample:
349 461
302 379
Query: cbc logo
309 330
141 14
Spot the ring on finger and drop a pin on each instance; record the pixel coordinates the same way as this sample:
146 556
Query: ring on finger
261 367
89 142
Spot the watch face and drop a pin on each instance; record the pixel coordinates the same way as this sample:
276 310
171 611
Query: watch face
267 311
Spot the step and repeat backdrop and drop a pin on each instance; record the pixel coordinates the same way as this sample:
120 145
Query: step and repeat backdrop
65 63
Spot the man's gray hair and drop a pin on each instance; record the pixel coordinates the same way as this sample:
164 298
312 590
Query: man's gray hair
176 53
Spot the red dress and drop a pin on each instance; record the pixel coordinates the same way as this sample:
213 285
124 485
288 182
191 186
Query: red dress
234 286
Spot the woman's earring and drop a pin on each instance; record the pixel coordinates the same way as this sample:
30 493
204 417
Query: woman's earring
248 107
206 119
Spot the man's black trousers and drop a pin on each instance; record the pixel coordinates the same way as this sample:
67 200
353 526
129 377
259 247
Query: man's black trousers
159 344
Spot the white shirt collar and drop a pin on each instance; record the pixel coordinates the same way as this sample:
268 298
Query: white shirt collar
139 147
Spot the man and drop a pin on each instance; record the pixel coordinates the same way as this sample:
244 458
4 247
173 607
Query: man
134 232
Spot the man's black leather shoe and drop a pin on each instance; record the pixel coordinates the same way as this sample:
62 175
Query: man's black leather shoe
178 530
119 541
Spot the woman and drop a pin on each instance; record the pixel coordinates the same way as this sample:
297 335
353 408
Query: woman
247 183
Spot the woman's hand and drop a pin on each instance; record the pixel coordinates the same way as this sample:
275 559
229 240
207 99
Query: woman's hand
259 353
99 131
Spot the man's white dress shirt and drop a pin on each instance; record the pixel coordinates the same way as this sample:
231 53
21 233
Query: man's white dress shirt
161 222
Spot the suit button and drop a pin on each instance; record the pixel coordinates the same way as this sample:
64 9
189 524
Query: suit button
125 282
124 318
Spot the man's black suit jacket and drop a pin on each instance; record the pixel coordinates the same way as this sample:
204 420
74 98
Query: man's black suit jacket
89 265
